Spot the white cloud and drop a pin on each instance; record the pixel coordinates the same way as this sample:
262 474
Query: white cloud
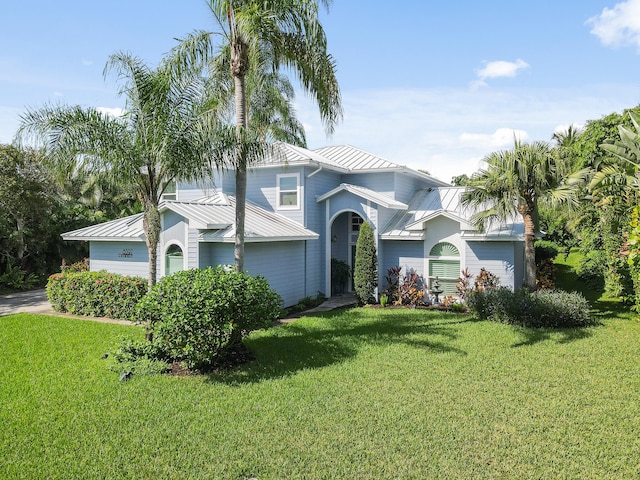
501 138
112 112
618 26
498 69
449 131
86 62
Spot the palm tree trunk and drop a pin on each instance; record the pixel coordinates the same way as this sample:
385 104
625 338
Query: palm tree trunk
529 251
151 225
239 66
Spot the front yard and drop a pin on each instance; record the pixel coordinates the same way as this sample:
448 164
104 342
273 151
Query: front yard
365 393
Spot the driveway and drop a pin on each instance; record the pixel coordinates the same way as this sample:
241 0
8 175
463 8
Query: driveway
34 301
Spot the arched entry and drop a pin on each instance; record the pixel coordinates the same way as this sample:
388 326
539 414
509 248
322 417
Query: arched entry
173 259
345 229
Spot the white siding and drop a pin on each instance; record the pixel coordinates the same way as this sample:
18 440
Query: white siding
496 257
124 258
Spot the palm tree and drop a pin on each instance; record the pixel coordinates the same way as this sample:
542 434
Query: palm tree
259 37
165 133
513 183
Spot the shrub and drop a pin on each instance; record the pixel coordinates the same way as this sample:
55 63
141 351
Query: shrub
96 294
546 250
541 309
340 274
591 270
15 278
199 316
365 272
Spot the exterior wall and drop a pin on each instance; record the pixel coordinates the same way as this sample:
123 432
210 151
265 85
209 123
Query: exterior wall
262 189
174 232
496 257
282 264
187 192
406 185
519 265
408 254
383 182
124 258
315 217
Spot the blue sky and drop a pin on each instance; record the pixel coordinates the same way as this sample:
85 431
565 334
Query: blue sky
431 85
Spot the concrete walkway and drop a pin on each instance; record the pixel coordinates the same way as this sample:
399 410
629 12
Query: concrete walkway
337 301
34 301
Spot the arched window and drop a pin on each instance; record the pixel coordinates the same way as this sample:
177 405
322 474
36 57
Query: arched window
174 260
444 263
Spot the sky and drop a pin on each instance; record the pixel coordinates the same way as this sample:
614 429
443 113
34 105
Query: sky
435 86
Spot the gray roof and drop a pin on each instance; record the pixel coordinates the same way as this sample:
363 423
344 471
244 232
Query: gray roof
215 218
432 203
365 193
341 158
125 229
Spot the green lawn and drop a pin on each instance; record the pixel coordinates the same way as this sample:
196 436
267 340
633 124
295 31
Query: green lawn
366 394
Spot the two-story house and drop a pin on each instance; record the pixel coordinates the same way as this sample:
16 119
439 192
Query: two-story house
303 209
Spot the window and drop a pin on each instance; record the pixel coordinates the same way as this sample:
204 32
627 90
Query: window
173 260
444 263
170 191
288 191
356 221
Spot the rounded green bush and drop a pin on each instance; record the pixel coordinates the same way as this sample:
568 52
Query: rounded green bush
541 309
198 316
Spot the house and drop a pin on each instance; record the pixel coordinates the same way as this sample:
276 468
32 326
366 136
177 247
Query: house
304 208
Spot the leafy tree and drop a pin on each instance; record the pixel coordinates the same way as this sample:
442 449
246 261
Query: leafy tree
514 183
258 37
27 205
166 133
460 180
627 150
365 274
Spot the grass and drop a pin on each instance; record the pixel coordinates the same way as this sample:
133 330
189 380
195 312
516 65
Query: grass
363 393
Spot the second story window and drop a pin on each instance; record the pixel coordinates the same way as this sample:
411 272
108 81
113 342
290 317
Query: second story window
170 191
289 191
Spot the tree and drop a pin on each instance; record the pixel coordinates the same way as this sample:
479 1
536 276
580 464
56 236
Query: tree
28 199
365 274
258 37
514 182
165 133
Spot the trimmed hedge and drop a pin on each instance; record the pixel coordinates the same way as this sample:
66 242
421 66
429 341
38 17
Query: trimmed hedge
96 294
199 316
541 309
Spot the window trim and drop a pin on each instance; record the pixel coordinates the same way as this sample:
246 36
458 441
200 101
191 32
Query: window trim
279 191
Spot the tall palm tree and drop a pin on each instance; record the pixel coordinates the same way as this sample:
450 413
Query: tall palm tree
258 37
513 183
165 133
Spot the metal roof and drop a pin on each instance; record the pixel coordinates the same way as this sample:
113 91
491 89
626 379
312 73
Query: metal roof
432 203
213 216
365 193
123 229
355 159
286 154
